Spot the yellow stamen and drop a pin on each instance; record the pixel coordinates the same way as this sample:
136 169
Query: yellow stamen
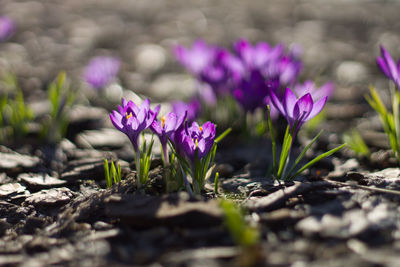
128 115
197 143
201 129
162 121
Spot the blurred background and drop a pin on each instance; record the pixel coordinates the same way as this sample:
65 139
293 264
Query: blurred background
340 40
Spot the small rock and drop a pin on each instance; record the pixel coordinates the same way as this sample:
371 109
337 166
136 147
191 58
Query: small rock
150 58
172 210
172 86
12 162
37 181
103 138
50 197
99 225
349 225
81 113
14 188
340 171
351 72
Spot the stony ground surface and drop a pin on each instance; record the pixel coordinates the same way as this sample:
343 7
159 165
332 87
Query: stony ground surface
54 209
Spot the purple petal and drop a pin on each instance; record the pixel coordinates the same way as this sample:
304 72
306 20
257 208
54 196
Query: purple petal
156 127
318 106
277 103
289 101
382 65
390 64
170 122
208 129
303 107
116 120
180 120
201 145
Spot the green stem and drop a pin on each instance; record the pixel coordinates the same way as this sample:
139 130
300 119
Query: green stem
138 182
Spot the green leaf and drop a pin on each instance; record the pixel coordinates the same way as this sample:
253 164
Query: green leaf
216 180
315 160
306 148
222 136
287 144
273 139
107 174
243 234
356 143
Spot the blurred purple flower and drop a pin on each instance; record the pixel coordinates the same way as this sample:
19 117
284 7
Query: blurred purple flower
205 62
297 111
389 67
7 28
257 56
132 120
192 109
252 93
316 93
101 71
259 70
195 140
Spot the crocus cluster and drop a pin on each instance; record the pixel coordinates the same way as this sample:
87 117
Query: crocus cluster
101 71
249 73
7 28
192 143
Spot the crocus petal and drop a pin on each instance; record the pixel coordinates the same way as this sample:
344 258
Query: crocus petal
303 107
277 103
201 145
133 107
180 120
116 120
289 101
156 110
170 122
324 90
245 51
318 106
390 64
382 65
133 123
156 128
208 129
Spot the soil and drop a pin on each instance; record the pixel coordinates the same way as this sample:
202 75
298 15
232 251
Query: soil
54 205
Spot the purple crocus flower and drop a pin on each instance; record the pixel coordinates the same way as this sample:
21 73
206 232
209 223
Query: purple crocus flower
195 140
252 93
101 71
317 93
257 56
166 127
7 28
205 62
191 108
389 67
257 70
132 120
297 111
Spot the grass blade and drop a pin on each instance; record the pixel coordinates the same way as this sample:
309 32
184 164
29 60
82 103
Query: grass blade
315 160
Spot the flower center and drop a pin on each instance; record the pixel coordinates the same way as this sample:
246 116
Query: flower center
128 115
162 121
201 129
